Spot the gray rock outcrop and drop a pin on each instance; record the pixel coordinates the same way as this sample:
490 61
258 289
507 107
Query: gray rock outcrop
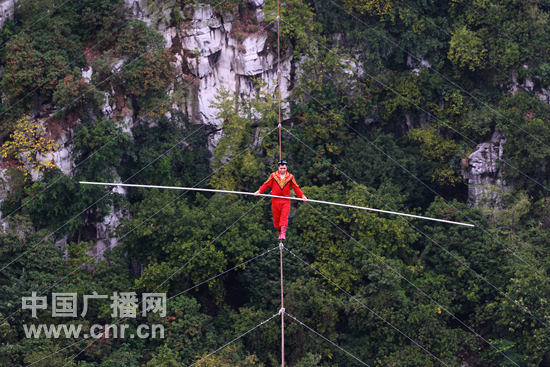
6 10
210 57
483 173
211 53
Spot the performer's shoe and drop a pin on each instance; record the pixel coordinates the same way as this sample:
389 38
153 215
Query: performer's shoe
279 232
282 234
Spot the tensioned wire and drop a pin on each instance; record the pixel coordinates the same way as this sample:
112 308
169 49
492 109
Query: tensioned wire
116 137
144 221
443 76
365 306
328 340
161 284
127 233
93 155
201 250
442 123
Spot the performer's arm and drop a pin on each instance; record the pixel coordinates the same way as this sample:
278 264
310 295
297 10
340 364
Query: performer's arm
297 189
265 186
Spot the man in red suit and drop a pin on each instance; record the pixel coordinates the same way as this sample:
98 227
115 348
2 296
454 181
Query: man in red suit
280 183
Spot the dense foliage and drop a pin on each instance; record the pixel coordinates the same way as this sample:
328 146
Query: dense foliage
389 99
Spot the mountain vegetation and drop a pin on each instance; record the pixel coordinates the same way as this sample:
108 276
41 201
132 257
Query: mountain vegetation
388 101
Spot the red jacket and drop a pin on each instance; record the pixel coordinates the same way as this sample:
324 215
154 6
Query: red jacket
281 186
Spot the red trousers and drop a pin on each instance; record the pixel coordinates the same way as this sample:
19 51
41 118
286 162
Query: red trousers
281 208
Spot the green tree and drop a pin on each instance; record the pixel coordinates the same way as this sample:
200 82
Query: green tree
525 123
245 123
164 243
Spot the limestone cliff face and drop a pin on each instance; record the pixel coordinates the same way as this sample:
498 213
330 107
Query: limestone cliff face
6 10
209 55
483 173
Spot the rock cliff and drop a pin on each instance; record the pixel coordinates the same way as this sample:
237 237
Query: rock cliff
6 10
212 53
483 173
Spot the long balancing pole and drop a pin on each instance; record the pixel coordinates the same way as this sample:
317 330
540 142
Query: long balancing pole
275 196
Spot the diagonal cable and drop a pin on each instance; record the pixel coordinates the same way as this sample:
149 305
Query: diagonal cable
444 249
443 76
116 137
180 268
89 158
234 340
127 233
422 109
328 340
364 305
413 285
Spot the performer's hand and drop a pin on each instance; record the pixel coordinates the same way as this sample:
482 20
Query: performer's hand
304 198
257 193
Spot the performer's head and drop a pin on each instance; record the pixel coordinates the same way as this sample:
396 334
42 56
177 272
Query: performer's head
282 166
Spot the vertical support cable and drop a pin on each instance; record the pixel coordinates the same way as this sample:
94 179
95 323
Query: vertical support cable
280 158
282 312
279 79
